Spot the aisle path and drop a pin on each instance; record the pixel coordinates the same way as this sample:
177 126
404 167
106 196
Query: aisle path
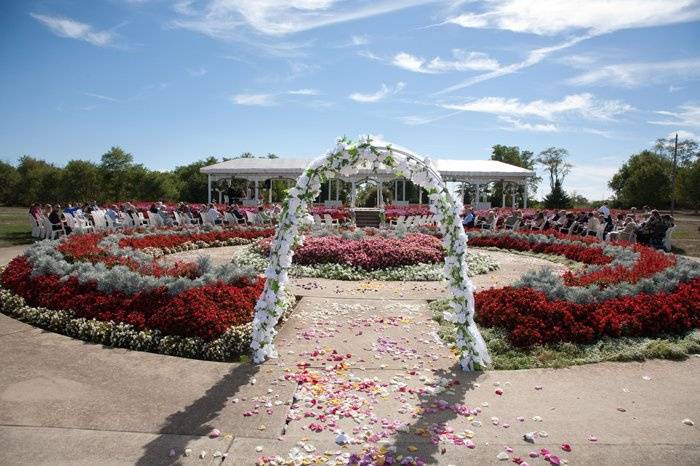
372 360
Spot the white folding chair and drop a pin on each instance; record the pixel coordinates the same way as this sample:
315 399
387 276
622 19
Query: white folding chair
667 238
49 232
398 221
250 217
330 220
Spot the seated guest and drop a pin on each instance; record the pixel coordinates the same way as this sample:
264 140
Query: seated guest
592 224
538 222
469 219
56 219
112 212
164 215
605 210
213 215
648 227
238 215
35 210
567 222
262 217
511 220
489 220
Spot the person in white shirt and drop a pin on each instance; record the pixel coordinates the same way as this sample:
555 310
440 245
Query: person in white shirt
605 210
213 214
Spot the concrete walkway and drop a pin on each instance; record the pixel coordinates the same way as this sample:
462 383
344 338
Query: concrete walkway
367 364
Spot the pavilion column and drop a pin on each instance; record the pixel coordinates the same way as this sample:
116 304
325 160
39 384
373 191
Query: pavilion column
404 190
478 195
396 191
208 189
353 194
525 195
257 191
420 195
514 193
503 193
269 193
337 190
329 190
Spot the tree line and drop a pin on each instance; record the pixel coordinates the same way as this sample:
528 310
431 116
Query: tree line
647 177
115 178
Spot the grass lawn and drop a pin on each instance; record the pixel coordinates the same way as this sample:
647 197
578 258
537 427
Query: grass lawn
14 226
686 237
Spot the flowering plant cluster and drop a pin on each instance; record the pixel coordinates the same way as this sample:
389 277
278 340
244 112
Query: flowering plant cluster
392 212
477 264
368 253
345 160
92 280
629 290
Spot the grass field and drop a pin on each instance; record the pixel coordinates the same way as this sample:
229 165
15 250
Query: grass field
14 226
14 230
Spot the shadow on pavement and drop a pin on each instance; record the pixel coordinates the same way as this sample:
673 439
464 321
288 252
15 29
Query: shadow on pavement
194 420
431 415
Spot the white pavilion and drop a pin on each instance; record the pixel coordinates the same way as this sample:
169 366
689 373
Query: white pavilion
473 172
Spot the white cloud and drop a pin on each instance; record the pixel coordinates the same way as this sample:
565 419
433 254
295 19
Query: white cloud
547 17
370 55
462 61
258 100
591 181
66 27
100 96
524 126
639 74
682 134
358 40
304 92
533 57
687 115
198 72
382 93
224 18
582 104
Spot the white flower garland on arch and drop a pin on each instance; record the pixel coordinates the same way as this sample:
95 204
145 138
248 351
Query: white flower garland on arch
344 160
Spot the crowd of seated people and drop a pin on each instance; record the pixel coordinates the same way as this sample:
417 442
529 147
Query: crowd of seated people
649 227
82 217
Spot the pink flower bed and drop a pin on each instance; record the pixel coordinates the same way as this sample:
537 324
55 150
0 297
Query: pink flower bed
369 253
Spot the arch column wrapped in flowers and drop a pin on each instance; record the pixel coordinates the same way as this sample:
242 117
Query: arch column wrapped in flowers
345 159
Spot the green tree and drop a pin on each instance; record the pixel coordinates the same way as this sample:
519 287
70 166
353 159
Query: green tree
643 180
513 156
9 183
39 181
81 182
557 199
688 150
553 159
688 186
115 165
193 184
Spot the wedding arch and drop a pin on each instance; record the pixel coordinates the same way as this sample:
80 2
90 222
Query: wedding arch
345 160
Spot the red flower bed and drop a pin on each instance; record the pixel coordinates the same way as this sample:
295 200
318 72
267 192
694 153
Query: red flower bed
169 241
650 262
85 248
369 253
531 319
205 312
587 255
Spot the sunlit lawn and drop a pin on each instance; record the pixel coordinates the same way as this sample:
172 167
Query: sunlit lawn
14 226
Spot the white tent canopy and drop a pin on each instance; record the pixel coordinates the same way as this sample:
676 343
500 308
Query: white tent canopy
474 172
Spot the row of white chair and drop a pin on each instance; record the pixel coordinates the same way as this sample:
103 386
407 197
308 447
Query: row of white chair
411 220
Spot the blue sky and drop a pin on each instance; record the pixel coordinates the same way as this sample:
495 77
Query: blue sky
175 81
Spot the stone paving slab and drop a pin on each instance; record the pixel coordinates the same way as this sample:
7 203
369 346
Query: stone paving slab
243 452
52 380
50 446
375 332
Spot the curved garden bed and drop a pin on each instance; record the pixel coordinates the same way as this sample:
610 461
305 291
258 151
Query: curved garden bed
111 289
623 291
366 254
